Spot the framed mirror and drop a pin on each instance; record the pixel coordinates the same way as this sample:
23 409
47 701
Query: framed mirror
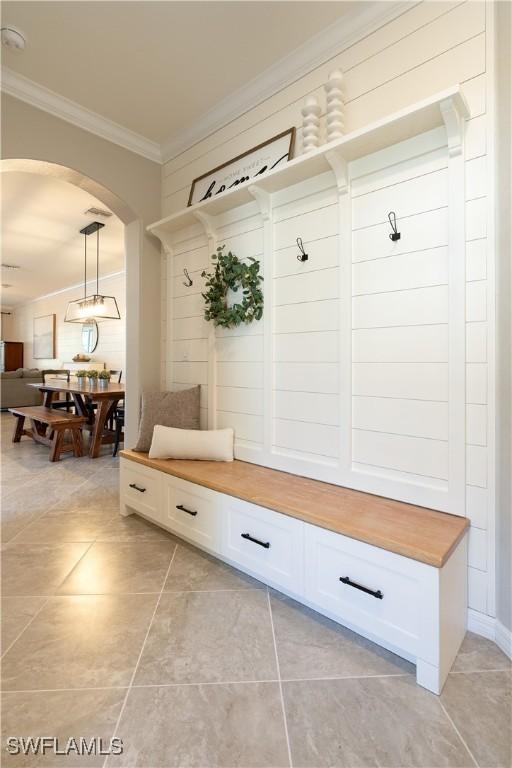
90 336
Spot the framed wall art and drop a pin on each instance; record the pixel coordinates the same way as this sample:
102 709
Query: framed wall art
249 165
44 338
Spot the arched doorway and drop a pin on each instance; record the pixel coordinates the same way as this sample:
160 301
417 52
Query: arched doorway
132 249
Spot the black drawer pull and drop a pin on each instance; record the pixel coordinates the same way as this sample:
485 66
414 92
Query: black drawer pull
137 487
184 509
248 536
374 593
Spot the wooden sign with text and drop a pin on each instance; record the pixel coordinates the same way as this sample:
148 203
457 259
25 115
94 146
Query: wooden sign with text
248 166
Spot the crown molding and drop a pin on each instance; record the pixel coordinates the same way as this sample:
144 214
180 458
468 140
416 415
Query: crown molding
40 97
73 287
313 53
316 51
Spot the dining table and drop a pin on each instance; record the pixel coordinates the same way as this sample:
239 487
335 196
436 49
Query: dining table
105 395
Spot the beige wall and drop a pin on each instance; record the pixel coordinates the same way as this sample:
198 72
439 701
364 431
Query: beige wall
29 133
111 344
504 320
6 325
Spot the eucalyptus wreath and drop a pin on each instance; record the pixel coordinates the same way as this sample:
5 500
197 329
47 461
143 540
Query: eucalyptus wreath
232 274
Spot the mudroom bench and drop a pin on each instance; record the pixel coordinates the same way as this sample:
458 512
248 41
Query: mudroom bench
391 571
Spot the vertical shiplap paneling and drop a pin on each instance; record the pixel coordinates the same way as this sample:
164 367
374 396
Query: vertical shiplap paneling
430 46
400 312
306 311
239 351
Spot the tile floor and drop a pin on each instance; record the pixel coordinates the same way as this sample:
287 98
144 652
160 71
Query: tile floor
113 627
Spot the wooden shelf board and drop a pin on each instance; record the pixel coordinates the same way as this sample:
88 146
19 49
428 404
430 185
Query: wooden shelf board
418 118
405 529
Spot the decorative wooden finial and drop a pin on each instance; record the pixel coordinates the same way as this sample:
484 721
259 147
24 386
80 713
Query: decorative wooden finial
310 124
335 105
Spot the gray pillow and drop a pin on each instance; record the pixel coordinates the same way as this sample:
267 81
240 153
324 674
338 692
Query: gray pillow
12 374
170 409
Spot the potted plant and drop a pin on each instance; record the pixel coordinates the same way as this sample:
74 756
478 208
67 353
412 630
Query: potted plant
104 378
80 377
93 377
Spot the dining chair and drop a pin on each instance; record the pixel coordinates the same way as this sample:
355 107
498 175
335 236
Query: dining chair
65 375
118 428
118 414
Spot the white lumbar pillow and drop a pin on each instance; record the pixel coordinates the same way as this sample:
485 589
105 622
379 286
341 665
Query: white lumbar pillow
205 445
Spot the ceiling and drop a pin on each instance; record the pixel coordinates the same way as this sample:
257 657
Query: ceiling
156 67
41 219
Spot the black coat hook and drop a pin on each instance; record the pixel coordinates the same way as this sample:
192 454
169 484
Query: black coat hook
189 279
302 256
395 234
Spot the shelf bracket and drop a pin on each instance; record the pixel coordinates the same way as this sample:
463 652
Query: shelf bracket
165 239
454 124
209 227
264 200
340 169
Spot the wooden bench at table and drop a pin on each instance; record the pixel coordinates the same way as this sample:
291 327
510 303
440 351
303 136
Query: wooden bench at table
49 427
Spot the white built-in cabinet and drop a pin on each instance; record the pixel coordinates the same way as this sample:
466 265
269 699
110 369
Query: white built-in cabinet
409 607
356 374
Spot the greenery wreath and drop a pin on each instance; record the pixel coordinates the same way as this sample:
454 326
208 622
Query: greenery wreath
232 274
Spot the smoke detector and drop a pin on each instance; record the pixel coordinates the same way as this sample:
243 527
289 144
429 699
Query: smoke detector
97 212
12 38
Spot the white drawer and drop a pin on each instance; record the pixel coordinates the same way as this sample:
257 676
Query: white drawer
369 588
264 542
140 488
192 512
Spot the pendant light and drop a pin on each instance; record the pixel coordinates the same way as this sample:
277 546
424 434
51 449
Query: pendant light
93 307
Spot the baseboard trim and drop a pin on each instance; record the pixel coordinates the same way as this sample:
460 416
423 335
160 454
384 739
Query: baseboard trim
481 624
492 629
504 639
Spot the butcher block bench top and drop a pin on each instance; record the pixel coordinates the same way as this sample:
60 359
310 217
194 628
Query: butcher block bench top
416 532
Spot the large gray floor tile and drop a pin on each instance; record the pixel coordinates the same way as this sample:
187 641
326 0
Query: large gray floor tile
201 637
12 528
58 526
480 705
132 528
477 653
37 570
386 721
193 570
210 725
120 568
101 490
34 496
17 612
80 642
311 646
64 715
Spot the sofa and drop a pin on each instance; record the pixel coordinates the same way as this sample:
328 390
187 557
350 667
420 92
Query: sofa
14 390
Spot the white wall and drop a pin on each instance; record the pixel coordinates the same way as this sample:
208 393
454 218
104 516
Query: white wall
429 47
112 334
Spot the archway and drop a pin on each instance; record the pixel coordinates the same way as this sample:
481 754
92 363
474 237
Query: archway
132 248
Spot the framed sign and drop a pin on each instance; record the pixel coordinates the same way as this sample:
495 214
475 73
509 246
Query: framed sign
249 165
44 338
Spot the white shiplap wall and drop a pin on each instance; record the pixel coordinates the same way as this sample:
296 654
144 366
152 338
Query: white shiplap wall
430 46
112 334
